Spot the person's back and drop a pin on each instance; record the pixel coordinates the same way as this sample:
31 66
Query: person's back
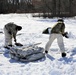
58 28
11 28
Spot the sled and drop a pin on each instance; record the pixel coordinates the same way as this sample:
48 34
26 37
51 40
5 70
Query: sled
31 46
32 53
29 58
34 57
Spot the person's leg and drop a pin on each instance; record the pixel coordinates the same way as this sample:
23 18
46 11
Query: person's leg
10 41
51 39
8 38
61 44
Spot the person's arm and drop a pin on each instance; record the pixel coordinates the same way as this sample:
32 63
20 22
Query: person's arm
14 36
14 33
63 28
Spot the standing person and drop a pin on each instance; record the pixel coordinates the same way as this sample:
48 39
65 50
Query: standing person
10 31
57 33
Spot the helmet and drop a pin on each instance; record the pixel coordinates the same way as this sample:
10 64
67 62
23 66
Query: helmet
61 20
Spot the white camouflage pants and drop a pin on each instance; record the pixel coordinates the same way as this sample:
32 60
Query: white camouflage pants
59 38
8 37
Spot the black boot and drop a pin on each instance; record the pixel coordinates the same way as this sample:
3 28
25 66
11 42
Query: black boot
63 54
10 45
6 47
46 51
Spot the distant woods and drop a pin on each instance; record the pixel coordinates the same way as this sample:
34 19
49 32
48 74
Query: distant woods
15 6
47 7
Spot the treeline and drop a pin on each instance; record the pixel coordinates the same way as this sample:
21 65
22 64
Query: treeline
16 6
59 7
47 7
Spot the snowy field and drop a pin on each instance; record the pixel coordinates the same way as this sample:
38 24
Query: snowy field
31 33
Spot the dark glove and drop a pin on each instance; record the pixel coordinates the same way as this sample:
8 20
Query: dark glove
10 32
65 34
14 40
18 44
63 54
46 52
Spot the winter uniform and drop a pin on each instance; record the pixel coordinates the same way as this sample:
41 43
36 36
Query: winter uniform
56 33
10 31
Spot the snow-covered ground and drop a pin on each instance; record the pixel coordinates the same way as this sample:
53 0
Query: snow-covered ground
31 33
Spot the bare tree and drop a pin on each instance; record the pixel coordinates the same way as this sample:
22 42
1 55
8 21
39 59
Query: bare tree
54 7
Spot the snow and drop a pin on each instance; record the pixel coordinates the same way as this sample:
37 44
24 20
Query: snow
31 33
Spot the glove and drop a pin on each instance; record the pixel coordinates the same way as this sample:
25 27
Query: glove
18 44
65 34
46 52
10 32
14 40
